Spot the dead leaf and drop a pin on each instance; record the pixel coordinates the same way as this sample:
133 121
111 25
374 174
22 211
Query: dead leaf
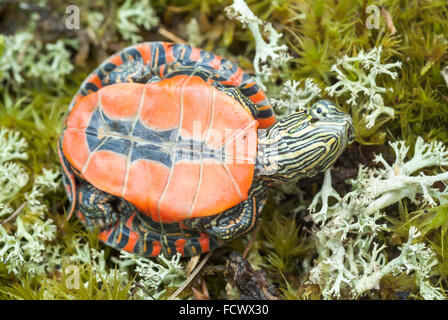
389 22
252 284
444 74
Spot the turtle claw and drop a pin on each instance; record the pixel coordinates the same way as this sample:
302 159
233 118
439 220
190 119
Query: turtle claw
101 222
98 208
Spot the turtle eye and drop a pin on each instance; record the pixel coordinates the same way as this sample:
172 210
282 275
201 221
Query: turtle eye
318 111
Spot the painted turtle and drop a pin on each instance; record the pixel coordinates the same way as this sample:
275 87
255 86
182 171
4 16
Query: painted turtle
160 149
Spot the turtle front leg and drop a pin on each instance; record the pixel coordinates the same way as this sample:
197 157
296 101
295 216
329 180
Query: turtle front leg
117 220
229 224
235 221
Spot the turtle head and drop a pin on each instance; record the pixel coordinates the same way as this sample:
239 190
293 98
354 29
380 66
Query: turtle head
305 143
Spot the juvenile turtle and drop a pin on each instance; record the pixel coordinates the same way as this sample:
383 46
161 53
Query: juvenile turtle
160 149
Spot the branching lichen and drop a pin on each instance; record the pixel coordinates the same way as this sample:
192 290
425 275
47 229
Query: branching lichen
365 68
13 176
414 257
133 14
267 54
25 250
25 58
351 261
152 273
296 98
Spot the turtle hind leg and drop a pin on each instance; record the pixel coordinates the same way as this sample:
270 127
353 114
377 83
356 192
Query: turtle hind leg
96 208
188 243
122 236
167 239
125 235
136 233
123 227
131 71
112 215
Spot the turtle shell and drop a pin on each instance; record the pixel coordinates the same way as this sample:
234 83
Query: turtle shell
176 149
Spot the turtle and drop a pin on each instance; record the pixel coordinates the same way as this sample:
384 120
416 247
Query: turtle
168 149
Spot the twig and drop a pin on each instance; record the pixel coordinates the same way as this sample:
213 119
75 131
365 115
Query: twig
204 288
19 209
142 288
252 239
388 19
191 277
21 55
192 264
170 36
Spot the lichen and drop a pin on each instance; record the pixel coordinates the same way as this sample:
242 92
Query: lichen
365 67
133 14
375 226
25 250
269 54
444 74
351 260
296 98
153 274
25 57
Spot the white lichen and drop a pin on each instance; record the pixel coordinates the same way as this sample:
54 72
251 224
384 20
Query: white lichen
133 14
351 260
192 33
324 194
269 54
25 58
414 257
52 64
152 273
95 259
13 64
398 181
295 96
13 176
357 77
94 21
23 251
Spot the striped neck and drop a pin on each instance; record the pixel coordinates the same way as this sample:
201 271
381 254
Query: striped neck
302 145
267 159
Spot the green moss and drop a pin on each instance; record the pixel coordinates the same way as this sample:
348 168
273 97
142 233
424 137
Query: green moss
317 33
